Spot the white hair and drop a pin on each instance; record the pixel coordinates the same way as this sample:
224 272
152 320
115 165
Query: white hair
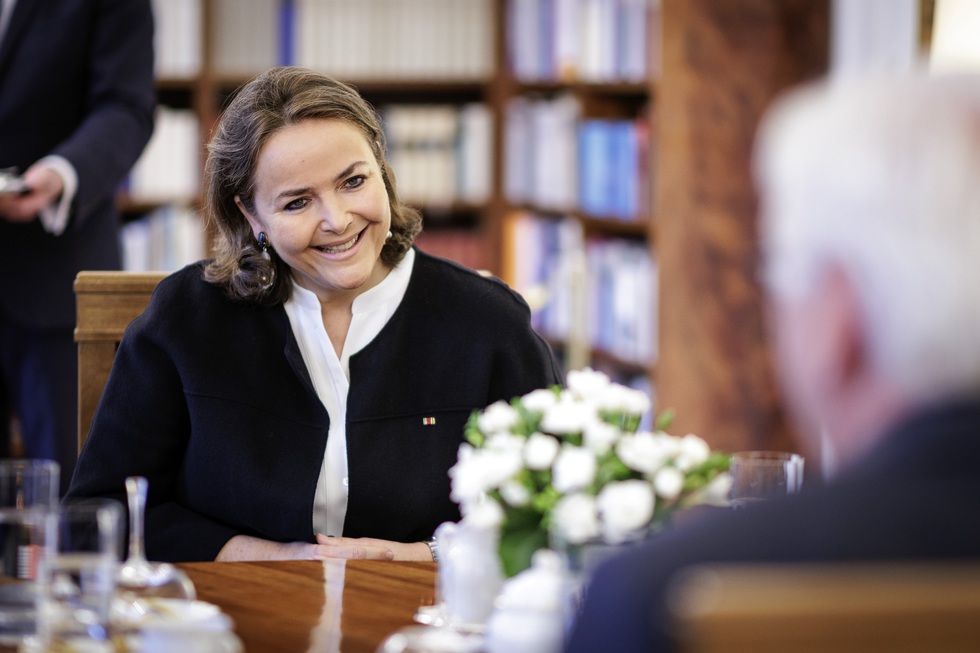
881 178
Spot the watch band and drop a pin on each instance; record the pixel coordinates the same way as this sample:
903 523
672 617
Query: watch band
433 549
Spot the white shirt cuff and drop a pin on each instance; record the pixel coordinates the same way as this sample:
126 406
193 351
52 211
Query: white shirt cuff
54 217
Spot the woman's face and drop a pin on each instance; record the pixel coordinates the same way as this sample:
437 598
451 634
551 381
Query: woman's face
321 201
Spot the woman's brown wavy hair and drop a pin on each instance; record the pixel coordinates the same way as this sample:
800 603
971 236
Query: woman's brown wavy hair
277 98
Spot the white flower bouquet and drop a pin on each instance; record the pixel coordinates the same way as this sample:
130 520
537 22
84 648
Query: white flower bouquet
570 465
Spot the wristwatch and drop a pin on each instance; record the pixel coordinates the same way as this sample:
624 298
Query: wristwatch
433 549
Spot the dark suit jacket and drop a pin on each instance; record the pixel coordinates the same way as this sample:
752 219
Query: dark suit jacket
210 400
76 79
915 497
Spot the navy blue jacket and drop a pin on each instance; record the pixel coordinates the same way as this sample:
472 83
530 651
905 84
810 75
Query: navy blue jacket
209 398
913 498
76 79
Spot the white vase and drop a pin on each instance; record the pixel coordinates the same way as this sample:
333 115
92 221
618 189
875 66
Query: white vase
469 572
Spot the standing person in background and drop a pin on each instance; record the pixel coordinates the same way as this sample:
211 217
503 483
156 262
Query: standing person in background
76 109
871 235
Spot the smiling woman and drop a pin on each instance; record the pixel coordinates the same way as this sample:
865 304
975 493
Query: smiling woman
304 393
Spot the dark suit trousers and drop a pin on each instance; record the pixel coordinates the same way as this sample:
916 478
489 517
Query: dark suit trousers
39 384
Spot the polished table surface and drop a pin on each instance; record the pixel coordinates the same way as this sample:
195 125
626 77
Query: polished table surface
319 607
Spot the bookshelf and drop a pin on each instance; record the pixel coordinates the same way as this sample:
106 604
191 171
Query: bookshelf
578 155
451 78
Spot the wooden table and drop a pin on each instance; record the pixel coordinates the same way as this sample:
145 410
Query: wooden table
320 607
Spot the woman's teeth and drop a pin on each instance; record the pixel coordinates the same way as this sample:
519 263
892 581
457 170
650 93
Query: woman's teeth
343 247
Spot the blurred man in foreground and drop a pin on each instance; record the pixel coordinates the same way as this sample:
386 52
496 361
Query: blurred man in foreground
870 197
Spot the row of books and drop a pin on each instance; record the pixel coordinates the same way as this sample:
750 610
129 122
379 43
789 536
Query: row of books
547 40
599 290
614 167
465 246
597 41
163 240
622 298
441 154
365 39
169 168
556 160
178 39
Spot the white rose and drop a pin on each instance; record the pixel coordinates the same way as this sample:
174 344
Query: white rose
568 416
668 482
539 401
498 416
575 519
504 442
587 383
574 469
467 482
692 452
515 493
483 513
715 493
600 437
620 399
540 451
478 471
644 452
624 508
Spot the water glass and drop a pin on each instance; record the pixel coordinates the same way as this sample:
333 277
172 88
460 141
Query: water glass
76 583
28 493
761 475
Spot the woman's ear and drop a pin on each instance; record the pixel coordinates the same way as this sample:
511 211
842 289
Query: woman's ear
252 221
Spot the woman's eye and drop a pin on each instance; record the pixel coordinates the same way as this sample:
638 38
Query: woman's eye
296 204
354 182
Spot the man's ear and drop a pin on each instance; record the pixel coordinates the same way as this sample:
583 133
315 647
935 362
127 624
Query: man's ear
845 343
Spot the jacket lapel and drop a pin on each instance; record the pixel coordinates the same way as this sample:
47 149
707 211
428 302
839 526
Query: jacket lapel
23 11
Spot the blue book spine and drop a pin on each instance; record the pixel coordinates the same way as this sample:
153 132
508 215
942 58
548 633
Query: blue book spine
287 32
593 166
625 202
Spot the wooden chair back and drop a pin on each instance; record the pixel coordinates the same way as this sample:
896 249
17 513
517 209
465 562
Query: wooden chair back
838 608
107 302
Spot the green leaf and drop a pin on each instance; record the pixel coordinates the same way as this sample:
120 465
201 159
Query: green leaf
665 419
545 500
518 519
472 432
516 549
611 469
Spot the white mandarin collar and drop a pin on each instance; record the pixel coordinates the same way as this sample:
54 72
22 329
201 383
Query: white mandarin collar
391 289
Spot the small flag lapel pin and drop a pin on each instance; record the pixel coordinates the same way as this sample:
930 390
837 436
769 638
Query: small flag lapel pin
428 421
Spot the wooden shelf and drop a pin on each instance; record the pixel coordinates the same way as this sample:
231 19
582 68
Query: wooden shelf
635 90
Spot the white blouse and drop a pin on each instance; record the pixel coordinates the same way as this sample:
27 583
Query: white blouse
331 377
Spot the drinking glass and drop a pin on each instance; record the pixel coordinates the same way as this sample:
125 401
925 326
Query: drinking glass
761 475
28 493
77 581
138 578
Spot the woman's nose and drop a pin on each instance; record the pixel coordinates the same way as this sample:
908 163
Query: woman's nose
334 216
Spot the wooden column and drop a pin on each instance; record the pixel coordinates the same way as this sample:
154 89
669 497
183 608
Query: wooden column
723 63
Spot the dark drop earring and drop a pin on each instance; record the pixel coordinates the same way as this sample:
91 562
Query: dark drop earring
269 277
264 246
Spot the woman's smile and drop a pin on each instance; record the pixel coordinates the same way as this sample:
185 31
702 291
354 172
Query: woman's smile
340 248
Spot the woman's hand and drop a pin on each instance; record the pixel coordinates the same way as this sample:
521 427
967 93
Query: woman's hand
245 547
368 548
